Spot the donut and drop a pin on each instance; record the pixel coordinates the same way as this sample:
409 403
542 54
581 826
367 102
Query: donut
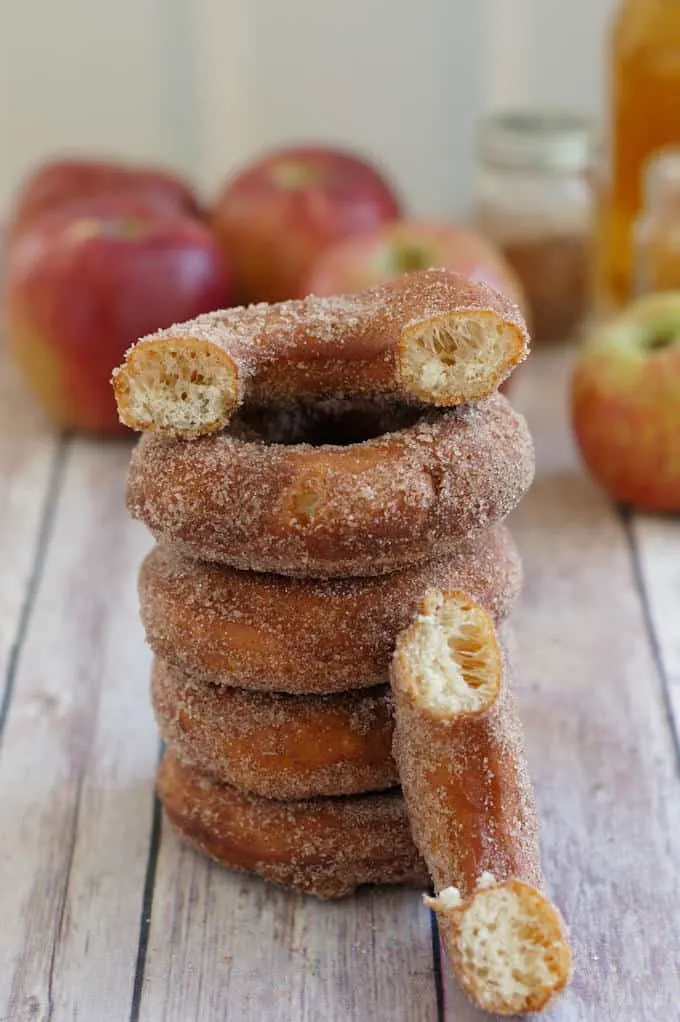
459 750
367 508
274 745
326 846
430 336
291 635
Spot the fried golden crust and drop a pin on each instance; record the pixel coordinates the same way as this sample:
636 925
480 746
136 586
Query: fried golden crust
274 745
430 336
291 635
327 847
335 511
459 751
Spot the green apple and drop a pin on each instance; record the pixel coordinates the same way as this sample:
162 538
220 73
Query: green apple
626 403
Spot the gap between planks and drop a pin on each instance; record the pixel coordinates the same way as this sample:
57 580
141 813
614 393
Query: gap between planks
33 581
76 772
655 546
600 748
28 457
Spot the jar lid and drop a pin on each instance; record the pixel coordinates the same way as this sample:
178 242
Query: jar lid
547 140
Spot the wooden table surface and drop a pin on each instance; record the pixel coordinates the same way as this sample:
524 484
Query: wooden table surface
106 916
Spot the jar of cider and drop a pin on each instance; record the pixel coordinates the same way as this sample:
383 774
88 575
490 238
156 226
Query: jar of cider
644 117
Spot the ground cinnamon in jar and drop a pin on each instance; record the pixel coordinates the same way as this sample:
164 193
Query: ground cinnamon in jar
534 200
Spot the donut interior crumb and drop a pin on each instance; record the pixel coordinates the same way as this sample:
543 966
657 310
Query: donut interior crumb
510 946
458 357
182 384
450 656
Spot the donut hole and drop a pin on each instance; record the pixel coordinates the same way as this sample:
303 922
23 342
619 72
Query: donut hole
336 423
179 385
457 358
451 655
512 948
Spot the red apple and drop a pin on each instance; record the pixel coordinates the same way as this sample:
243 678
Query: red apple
276 216
86 280
397 248
61 181
626 403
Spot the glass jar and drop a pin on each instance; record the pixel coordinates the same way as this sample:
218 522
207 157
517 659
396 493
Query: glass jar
534 200
657 232
643 118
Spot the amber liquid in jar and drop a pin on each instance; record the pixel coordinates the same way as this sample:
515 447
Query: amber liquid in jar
644 118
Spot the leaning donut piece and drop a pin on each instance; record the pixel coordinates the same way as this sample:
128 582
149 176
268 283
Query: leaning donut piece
327 847
278 746
363 509
458 748
290 635
432 336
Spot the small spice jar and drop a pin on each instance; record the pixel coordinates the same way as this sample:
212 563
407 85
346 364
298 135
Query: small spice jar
656 265
534 200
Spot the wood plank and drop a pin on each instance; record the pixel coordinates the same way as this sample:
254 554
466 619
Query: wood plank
656 544
79 752
77 764
598 741
225 946
30 470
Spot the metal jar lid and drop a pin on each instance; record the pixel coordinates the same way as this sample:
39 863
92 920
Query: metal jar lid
552 141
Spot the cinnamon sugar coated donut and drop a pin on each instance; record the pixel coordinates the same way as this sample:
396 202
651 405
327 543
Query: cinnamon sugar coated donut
432 336
459 747
278 746
290 635
366 508
326 846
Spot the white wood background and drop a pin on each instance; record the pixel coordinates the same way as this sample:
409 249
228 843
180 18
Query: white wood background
205 84
106 917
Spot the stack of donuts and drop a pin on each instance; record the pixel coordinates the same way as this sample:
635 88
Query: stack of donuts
313 472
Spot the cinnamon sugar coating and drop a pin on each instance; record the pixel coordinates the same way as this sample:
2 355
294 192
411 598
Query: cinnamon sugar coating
459 750
327 847
278 746
291 635
332 511
432 336
465 782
